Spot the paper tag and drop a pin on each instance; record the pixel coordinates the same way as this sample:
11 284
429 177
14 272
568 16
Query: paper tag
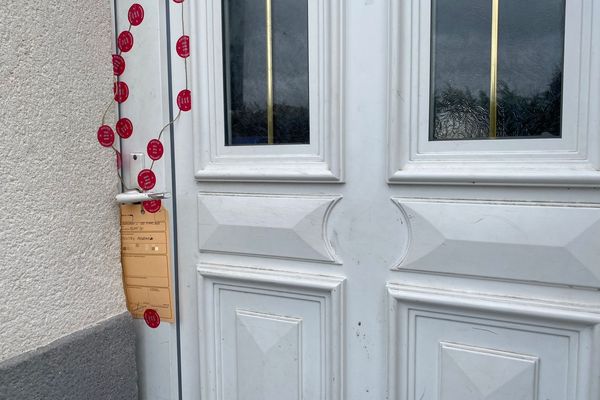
146 261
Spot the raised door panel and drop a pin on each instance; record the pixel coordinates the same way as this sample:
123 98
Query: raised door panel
281 226
454 345
268 335
542 242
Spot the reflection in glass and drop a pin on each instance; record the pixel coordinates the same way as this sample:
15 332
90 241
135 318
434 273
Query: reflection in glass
530 67
525 99
266 105
461 68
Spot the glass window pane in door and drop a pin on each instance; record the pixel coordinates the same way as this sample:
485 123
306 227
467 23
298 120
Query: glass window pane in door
530 68
290 70
266 72
461 44
497 68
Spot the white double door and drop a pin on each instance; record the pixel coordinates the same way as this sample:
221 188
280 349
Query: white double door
365 288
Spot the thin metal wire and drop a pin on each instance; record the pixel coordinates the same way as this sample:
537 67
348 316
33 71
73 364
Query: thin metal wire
160 133
185 59
112 101
185 62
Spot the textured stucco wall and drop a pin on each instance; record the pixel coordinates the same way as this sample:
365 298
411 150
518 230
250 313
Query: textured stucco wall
59 242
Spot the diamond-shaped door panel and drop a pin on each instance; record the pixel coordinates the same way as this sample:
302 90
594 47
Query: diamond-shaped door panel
269 353
473 373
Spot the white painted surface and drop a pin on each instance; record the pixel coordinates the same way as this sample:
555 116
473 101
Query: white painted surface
147 108
544 242
447 344
322 159
572 160
543 332
269 226
59 225
260 342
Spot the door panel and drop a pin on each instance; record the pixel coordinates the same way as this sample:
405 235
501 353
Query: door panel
456 345
511 241
281 226
270 335
372 262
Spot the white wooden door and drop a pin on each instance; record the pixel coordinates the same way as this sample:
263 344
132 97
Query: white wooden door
390 199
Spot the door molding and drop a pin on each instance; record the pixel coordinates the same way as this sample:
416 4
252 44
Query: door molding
573 160
273 287
495 317
322 159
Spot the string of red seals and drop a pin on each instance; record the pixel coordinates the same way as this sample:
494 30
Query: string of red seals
146 178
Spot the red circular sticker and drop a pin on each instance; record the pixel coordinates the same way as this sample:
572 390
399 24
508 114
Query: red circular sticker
124 128
178 1
152 318
146 179
183 46
152 206
136 14
125 41
121 92
155 149
118 64
106 136
184 100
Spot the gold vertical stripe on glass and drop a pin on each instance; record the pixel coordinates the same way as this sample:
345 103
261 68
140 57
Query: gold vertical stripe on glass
494 69
270 126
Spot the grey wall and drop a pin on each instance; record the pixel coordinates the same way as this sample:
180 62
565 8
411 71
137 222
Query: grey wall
97 363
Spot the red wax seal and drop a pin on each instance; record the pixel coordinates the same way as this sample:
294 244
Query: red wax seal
136 14
121 92
183 46
119 159
152 318
106 136
152 206
146 179
184 100
124 128
125 41
178 1
118 64
155 149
